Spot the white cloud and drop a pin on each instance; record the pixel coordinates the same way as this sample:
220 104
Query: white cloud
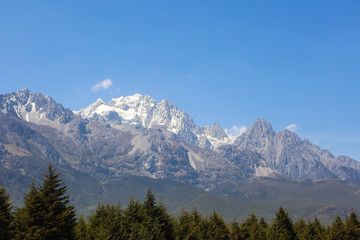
292 127
103 85
235 131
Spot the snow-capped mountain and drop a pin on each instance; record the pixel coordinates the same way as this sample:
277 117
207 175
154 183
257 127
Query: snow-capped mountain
144 111
35 127
35 108
135 135
288 154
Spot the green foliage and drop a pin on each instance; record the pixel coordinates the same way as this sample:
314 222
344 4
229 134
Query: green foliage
216 228
6 217
337 230
282 227
105 223
300 228
80 229
314 230
352 227
191 226
251 229
147 220
47 213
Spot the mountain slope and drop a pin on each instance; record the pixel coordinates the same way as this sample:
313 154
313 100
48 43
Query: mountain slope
286 153
136 137
142 110
105 152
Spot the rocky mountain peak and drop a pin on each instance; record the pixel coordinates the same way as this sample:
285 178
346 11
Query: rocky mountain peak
216 131
257 134
143 110
261 126
35 108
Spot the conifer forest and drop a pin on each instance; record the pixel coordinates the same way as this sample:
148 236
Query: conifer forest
48 215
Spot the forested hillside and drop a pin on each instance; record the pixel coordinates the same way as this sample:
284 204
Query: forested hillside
48 214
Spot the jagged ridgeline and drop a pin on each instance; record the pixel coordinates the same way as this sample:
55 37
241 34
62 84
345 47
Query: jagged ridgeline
126 144
47 214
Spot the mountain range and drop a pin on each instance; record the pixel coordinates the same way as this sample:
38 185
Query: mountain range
136 136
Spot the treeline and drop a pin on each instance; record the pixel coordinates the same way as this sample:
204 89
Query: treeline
48 215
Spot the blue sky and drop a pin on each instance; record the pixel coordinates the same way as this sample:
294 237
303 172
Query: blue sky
290 62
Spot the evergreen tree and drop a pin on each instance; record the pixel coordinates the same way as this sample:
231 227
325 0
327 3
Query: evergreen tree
235 232
47 213
282 227
263 223
134 221
80 229
337 230
217 229
105 223
29 221
314 230
160 224
300 228
251 229
352 226
191 226
6 218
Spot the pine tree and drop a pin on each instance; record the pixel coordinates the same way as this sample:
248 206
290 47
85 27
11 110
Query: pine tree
282 227
134 221
6 217
47 213
59 215
191 226
337 230
300 228
314 230
235 232
29 221
160 224
217 229
105 223
352 226
80 229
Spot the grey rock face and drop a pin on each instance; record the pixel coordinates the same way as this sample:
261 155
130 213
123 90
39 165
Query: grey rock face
286 153
34 107
137 136
116 144
144 111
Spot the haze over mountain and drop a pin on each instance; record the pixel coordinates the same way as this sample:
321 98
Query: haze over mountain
136 136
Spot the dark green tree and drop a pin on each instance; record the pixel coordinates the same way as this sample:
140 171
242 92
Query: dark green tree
314 230
282 227
29 221
191 226
80 229
251 229
6 217
337 230
300 228
235 232
105 223
160 224
352 226
216 228
47 213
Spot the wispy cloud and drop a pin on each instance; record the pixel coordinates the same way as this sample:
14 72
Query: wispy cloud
292 127
105 84
235 131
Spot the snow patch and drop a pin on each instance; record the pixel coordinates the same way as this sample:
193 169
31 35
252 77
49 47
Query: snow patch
263 171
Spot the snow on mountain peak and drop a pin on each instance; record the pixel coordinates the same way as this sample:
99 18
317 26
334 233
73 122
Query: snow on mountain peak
143 110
